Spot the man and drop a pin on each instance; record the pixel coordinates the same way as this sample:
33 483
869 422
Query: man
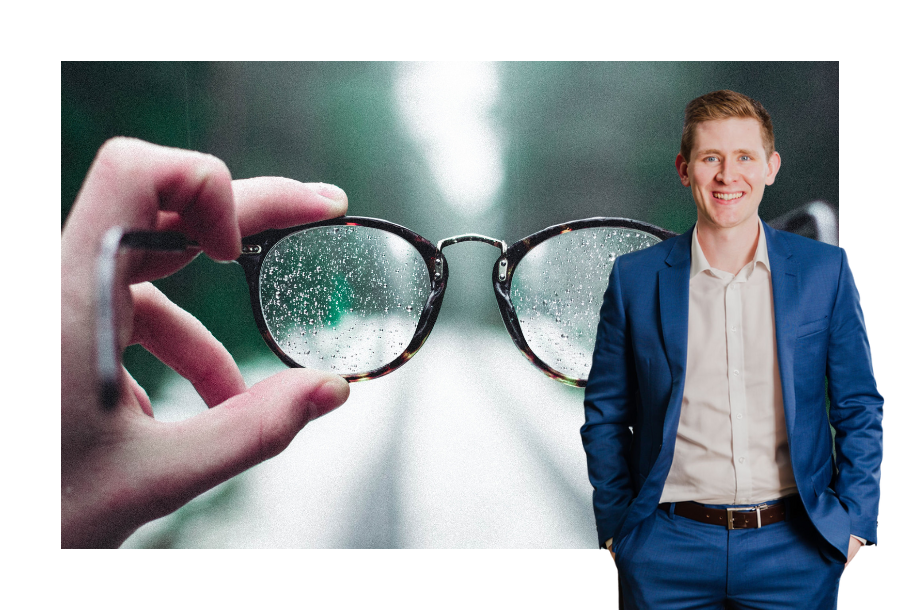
716 479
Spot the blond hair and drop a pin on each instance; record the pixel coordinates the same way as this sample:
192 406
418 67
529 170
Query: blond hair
720 105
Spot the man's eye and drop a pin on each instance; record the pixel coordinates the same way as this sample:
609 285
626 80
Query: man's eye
710 159
745 157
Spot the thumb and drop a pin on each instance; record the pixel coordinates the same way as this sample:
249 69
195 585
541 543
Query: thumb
243 431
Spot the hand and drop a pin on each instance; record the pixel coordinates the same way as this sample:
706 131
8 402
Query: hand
121 468
852 550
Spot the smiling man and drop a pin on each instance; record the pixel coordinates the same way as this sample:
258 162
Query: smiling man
708 428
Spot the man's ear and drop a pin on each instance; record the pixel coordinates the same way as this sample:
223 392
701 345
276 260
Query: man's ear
681 165
772 167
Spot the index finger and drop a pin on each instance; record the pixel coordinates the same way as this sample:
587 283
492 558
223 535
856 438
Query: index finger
260 204
277 203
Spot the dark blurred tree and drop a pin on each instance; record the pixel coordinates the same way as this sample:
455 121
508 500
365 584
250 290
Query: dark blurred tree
161 102
316 122
600 139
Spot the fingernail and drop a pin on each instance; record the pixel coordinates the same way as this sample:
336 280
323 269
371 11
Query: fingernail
332 192
330 395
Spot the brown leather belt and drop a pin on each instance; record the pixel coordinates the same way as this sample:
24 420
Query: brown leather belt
744 517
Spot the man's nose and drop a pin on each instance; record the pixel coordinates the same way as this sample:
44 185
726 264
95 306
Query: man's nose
726 172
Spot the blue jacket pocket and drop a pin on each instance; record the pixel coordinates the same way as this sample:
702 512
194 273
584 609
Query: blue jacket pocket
811 328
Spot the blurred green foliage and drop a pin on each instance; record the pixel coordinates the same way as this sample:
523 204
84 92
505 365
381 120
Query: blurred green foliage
578 140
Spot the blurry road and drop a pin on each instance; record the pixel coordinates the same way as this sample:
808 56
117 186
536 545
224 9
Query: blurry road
466 446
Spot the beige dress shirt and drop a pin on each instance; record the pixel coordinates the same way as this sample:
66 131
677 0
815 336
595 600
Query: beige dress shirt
731 445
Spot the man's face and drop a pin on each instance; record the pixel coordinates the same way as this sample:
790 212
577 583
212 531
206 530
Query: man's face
728 172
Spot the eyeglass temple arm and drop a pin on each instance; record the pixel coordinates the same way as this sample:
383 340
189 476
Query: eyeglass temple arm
113 239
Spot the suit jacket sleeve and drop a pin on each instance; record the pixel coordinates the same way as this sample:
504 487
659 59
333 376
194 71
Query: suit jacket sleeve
856 410
609 406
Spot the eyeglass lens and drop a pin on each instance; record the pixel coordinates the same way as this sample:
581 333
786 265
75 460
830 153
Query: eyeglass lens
349 298
557 289
343 298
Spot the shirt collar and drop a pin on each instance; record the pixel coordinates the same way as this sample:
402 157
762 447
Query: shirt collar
700 264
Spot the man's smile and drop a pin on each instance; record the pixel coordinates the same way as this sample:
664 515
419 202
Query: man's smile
728 196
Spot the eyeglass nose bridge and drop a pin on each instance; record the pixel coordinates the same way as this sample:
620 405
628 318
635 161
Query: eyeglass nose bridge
499 243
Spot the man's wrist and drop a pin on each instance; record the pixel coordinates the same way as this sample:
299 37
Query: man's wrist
862 540
608 544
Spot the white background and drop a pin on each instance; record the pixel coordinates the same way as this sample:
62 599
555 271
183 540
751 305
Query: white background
431 578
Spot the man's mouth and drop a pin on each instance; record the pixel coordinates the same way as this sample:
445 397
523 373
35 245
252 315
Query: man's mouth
728 196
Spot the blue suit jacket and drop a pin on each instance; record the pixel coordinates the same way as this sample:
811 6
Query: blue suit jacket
634 391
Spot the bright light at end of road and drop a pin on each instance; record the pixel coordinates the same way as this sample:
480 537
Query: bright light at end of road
447 108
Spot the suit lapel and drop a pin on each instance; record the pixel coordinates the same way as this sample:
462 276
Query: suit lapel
674 292
674 298
785 294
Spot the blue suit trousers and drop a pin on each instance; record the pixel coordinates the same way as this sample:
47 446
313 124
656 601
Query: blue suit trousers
671 562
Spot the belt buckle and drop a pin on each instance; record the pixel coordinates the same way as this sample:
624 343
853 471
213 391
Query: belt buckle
745 509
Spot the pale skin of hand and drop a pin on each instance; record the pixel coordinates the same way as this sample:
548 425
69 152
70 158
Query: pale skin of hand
121 468
854 547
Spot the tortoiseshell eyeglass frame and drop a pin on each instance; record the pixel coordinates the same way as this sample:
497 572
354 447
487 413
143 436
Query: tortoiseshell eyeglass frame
255 248
517 252
107 353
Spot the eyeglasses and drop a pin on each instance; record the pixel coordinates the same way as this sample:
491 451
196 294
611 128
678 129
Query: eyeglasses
359 296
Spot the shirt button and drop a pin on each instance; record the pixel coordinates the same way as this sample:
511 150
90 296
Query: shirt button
736 372
741 460
733 328
740 416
